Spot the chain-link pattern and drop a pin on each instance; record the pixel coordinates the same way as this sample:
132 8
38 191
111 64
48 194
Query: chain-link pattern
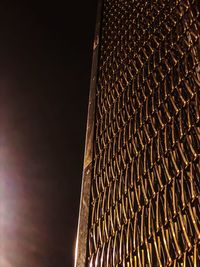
145 192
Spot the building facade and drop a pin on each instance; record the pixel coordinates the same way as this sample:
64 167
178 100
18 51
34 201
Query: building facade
140 203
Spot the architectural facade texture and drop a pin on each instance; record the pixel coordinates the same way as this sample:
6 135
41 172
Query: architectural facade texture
144 173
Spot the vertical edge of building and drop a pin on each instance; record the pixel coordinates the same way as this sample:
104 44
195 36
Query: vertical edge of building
82 232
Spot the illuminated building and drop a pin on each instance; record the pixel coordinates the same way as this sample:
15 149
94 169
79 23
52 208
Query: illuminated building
140 197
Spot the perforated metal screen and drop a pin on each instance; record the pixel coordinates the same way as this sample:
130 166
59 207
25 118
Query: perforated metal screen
145 182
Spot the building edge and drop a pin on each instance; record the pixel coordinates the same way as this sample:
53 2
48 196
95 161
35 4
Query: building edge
82 231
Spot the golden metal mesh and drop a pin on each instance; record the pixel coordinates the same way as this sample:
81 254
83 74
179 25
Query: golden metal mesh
145 191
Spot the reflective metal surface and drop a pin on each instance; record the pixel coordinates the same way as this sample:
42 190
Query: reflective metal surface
145 201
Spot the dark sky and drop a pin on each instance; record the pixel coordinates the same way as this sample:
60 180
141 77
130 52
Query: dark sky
45 62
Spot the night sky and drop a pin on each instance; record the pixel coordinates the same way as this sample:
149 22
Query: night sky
45 62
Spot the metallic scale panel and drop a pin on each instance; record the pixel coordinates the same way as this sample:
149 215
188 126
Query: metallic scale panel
145 179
